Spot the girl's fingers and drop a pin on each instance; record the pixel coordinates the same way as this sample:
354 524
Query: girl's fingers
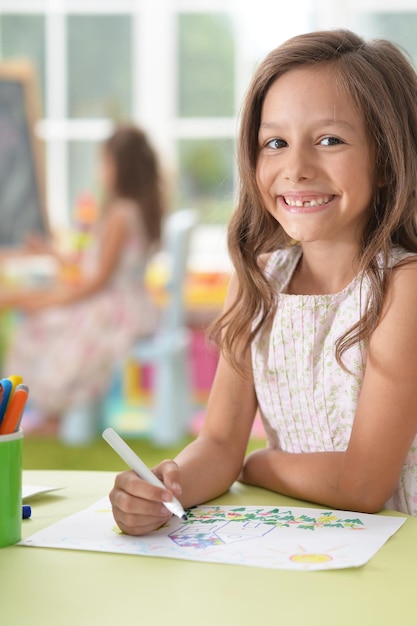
139 523
169 473
130 483
138 506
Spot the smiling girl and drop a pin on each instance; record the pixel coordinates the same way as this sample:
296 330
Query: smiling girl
319 332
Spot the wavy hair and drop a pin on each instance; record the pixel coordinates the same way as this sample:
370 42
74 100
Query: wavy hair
137 175
383 84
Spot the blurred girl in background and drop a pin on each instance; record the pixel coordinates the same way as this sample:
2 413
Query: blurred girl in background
71 334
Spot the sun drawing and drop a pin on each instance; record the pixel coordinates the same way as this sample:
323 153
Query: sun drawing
310 557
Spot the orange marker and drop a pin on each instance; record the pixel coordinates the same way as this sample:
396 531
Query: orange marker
14 412
15 380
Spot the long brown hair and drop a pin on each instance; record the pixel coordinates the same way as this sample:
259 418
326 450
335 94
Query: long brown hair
137 175
383 84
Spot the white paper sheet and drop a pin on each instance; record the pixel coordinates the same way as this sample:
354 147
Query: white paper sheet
261 536
32 491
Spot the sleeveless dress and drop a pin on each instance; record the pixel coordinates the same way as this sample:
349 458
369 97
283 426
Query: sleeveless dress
307 402
67 354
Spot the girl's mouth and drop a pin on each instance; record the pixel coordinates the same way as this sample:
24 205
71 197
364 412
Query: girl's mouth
307 202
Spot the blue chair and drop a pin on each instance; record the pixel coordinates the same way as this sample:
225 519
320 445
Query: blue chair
167 351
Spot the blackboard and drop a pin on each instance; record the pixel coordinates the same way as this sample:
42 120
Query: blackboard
22 184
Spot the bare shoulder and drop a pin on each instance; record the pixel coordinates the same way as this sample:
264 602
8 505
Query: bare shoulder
398 324
402 288
121 214
124 208
406 266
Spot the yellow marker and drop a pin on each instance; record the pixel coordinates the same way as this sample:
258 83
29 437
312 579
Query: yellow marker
15 380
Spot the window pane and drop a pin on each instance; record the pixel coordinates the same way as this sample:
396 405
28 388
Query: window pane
206 65
23 37
400 28
99 66
206 177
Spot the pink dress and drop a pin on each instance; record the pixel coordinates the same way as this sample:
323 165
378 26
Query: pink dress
66 354
306 400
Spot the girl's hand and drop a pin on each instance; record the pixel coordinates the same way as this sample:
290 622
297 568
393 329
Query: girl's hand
20 300
138 506
29 302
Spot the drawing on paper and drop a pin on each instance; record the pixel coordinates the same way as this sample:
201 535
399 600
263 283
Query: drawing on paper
260 536
215 525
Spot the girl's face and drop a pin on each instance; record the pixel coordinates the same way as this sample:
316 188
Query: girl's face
315 167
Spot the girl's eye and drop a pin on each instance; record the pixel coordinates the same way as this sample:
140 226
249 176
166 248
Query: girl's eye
331 141
275 144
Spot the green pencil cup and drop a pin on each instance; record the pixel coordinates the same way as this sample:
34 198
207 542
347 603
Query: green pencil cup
11 447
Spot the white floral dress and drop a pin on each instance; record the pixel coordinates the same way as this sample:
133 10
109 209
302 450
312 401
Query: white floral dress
66 354
306 400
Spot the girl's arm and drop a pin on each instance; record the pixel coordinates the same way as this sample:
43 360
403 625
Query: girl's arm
36 245
363 477
210 464
113 236
207 467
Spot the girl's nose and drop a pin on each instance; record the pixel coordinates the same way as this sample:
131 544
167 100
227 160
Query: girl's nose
299 164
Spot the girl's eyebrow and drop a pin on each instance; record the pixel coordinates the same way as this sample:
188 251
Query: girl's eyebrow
324 122
337 122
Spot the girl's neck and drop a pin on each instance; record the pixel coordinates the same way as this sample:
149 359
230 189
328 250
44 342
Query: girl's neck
324 271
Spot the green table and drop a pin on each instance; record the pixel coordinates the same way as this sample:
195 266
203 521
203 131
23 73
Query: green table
42 586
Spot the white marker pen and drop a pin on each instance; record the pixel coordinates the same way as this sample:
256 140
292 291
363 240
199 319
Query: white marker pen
138 466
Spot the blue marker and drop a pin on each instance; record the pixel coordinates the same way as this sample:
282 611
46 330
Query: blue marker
26 511
6 387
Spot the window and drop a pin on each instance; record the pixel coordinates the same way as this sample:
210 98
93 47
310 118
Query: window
206 177
206 89
401 28
22 36
206 65
99 65
177 67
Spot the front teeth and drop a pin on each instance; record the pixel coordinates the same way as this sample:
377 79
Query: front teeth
307 203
